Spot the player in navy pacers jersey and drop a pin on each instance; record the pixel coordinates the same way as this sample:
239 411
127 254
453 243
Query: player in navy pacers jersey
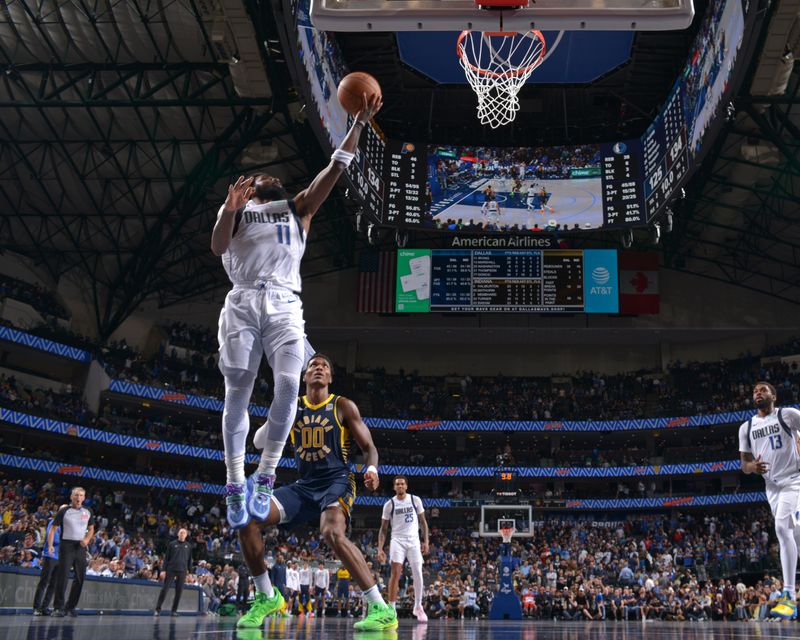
324 427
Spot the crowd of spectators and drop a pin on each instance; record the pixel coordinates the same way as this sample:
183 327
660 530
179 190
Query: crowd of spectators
67 405
32 294
195 337
681 567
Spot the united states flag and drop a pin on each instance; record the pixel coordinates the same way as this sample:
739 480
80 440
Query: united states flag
376 281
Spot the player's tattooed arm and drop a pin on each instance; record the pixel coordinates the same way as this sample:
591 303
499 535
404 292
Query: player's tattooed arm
751 464
351 417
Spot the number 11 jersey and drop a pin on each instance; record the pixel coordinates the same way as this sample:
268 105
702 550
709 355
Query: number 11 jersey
267 245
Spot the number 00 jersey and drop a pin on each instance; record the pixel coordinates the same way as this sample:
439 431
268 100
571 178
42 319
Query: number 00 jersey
321 442
268 243
773 438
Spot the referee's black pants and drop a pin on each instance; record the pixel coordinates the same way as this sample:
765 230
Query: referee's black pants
47 584
180 578
243 593
71 555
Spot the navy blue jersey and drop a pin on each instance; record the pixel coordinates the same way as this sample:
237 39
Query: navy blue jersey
321 442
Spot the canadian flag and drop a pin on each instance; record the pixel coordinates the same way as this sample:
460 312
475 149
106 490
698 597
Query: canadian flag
638 283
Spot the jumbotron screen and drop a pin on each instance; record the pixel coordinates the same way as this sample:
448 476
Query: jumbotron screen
507 280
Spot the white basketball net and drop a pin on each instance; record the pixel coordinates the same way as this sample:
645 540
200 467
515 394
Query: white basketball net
497 64
506 533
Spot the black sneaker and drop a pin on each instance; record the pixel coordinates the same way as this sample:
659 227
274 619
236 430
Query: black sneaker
174 614
72 613
157 613
38 612
58 613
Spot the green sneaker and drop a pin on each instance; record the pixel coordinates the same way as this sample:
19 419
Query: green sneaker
261 608
380 618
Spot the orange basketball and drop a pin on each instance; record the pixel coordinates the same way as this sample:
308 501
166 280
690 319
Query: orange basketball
352 89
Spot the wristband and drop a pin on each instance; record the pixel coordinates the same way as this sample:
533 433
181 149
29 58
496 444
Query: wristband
371 468
345 157
359 122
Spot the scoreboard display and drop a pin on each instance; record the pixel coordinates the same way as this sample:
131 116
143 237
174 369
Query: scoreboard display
366 172
665 153
506 280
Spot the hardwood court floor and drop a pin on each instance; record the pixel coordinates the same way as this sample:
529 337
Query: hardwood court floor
23 627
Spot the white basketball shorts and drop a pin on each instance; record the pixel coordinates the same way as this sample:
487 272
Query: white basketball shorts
784 502
401 549
255 321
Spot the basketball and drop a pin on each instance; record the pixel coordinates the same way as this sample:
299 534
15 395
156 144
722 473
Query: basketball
352 89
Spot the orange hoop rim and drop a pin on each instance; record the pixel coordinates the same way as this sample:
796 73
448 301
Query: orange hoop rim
507 34
507 532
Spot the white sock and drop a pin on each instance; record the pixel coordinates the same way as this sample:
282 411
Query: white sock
270 456
235 423
416 572
286 364
784 530
263 584
373 594
393 605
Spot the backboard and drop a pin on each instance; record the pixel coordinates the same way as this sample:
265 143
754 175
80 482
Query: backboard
457 15
493 516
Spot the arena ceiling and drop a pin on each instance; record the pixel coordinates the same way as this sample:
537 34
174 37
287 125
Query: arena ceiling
121 124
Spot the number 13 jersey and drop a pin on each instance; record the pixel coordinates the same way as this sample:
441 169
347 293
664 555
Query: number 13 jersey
267 245
773 438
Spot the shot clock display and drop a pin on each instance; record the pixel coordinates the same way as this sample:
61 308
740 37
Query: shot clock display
505 483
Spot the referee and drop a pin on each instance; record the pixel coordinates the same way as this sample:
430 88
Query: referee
76 523
177 563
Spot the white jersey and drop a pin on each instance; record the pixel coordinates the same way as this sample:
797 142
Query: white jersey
267 245
322 578
293 579
773 438
403 515
305 576
492 206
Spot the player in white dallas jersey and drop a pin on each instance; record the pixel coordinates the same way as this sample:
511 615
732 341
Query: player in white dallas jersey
406 516
261 235
768 446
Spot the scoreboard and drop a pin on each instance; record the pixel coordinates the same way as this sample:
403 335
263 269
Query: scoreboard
406 174
366 172
621 179
665 153
506 280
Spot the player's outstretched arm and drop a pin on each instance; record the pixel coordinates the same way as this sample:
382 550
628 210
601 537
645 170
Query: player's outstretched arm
351 417
308 201
238 195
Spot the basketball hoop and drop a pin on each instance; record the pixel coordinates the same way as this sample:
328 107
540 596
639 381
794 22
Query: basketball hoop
506 533
497 64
